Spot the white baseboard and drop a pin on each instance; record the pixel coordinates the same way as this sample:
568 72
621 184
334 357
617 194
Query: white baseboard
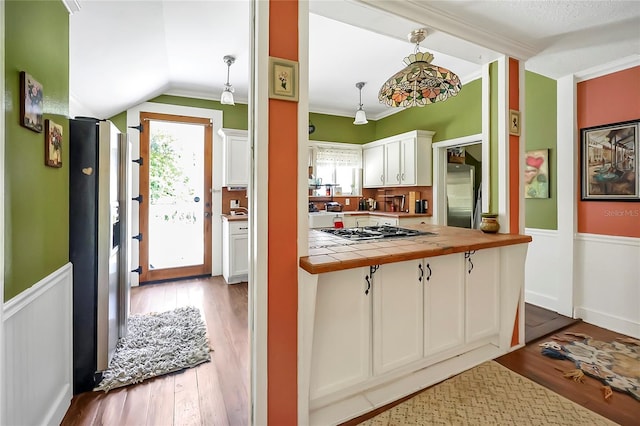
610 322
541 300
37 366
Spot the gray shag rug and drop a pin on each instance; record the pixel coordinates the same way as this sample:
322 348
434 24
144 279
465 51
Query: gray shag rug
157 344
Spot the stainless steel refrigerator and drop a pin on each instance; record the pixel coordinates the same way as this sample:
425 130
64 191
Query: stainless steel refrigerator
460 195
99 244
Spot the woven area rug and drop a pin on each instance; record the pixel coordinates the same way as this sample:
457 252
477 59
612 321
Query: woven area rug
157 344
488 394
615 364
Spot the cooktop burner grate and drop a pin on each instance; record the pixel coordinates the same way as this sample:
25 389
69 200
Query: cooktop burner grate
373 232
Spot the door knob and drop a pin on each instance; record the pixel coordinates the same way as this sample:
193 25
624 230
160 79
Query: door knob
196 199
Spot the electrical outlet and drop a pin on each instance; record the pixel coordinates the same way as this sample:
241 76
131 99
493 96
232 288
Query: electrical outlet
347 201
234 204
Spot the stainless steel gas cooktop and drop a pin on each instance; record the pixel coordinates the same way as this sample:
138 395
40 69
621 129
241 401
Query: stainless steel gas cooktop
373 232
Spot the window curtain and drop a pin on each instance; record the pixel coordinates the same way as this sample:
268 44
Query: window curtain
337 157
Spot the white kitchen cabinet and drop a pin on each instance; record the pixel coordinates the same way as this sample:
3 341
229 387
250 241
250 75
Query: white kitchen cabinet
342 346
420 220
397 315
482 275
443 279
235 154
401 160
373 166
235 251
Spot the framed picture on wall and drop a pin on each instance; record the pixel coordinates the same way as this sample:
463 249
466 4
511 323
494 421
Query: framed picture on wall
31 103
283 79
52 144
536 174
609 168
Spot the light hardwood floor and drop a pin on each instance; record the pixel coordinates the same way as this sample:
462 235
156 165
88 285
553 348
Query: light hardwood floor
213 393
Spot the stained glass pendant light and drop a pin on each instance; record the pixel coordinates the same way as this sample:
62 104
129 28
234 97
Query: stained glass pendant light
361 116
227 95
420 83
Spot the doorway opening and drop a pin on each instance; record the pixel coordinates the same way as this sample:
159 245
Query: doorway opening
176 190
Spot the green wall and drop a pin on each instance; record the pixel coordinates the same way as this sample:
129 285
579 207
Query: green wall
36 197
233 116
458 116
334 128
540 133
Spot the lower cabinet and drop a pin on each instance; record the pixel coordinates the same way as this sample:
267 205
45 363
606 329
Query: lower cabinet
482 272
444 317
397 315
342 345
235 251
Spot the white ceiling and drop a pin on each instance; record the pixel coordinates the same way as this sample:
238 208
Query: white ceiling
123 53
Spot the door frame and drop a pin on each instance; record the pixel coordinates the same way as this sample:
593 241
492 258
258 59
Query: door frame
133 119
180 271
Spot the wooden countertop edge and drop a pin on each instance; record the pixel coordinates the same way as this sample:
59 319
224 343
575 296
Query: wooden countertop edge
233 218
326 263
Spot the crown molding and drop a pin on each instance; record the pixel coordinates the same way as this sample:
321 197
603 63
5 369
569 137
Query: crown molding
72 6
437 19
608 68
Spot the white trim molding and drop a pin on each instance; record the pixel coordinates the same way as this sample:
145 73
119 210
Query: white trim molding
2 160
37 380
608 68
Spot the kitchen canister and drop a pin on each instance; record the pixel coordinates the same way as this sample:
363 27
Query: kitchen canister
489 223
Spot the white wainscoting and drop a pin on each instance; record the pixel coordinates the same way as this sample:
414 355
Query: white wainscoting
607 282
38 358
541 278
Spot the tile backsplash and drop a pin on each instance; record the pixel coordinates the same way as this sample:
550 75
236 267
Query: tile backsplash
385 197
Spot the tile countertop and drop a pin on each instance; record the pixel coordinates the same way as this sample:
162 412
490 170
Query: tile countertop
328 253
383 213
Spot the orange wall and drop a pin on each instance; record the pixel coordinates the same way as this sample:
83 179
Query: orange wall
514 150
282 397
608 99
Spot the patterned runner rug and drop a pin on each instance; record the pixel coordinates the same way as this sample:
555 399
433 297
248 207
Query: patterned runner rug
157 344
488 394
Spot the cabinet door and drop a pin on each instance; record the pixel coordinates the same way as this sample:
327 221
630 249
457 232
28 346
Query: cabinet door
380 221
408 161
397 315
342 334
239 254
482 285
236 159
443 281
392 163
373 166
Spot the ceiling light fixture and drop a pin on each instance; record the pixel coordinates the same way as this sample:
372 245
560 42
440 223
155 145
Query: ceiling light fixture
361 116
420 83
227 95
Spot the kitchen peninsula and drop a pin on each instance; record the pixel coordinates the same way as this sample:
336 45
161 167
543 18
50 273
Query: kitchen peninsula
382 318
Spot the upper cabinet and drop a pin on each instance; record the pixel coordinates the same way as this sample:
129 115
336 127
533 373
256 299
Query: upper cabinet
401 160
235 154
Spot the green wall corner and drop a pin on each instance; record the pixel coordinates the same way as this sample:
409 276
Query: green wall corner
233 116
36 196
540 133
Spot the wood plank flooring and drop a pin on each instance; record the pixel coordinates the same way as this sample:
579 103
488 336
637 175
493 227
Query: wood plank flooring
539 322
213 393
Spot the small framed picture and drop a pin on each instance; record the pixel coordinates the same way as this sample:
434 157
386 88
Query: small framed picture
536 174
609 162
52 144
31 103
283 79
514 122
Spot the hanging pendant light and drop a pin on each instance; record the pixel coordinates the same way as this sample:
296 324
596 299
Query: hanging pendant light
420 83
227 95
361 116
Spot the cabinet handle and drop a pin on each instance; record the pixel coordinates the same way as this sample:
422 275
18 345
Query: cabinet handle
244 227
366 292
421 272
467 256
382 178
398 177
403 176
429 276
